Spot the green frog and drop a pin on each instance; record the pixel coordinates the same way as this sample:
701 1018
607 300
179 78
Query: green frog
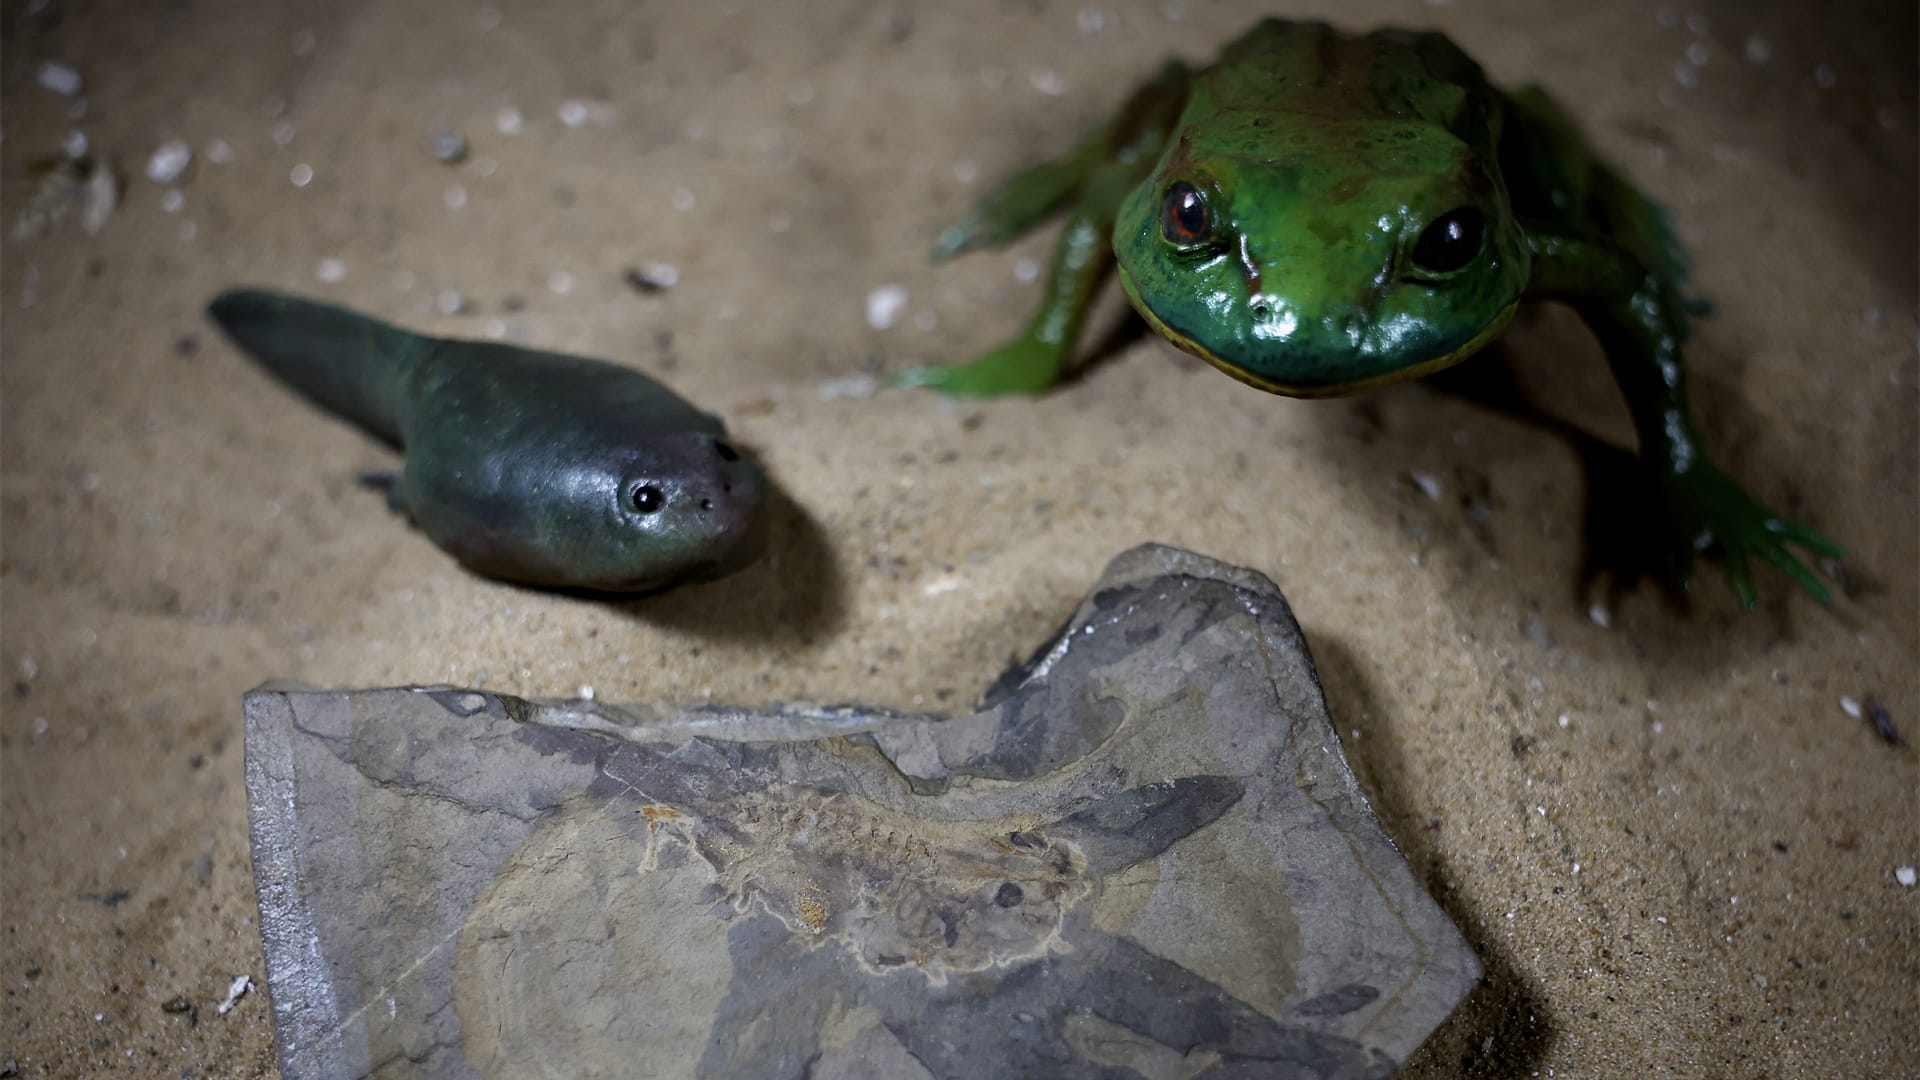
1322 213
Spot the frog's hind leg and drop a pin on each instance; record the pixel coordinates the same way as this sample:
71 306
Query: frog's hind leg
1607 250
1548 162
1092 182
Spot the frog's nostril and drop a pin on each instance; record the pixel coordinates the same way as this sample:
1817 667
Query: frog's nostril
1262 310
706 504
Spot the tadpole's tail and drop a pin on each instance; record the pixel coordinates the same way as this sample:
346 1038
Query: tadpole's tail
354 365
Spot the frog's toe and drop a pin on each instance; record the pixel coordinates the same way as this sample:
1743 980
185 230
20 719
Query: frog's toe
1779 556
955 239
1735 561
1811 539
1021 367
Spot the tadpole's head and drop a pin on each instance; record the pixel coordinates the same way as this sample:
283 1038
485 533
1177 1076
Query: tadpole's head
1327 258
683 507
618 514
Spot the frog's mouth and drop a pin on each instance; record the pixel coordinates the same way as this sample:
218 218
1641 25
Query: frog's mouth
1318 390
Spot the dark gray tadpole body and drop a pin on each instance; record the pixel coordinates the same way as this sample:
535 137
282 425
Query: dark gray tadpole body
532 467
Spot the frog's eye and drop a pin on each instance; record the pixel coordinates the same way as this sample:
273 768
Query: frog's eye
1183 216
647 499
1451 242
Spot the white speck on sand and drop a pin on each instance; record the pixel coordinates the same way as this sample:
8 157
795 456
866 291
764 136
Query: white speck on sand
884 305
236 990
59 78
850 386
169 161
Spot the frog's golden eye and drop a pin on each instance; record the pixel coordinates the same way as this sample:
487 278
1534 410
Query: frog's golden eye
1183 216
1451 242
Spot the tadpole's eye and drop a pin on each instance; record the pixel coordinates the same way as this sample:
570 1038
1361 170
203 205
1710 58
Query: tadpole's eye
726 452
647 499
1183 217
1451 242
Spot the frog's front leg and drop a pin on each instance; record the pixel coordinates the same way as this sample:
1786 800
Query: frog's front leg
1638 318
1091 182
1034 361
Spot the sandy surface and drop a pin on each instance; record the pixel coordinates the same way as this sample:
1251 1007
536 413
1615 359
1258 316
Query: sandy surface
1672 845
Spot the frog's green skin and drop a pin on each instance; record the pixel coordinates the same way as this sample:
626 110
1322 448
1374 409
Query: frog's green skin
528 466
1322 159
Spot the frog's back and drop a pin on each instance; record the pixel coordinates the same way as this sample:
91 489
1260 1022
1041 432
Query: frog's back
1310 69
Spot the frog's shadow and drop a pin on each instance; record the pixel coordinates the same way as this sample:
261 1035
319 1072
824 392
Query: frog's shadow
1507 1009
793 594
1617 560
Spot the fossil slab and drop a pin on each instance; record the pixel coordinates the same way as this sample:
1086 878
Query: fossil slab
1145 856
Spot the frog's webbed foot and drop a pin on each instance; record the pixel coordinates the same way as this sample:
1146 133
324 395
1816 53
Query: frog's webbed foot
1022 366
1708 512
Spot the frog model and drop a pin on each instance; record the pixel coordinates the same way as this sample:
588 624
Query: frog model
1321 213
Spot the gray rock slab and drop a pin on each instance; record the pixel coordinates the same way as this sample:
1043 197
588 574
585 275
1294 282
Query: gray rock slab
1144 857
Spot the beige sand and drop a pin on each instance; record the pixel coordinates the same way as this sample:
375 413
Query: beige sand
1673 847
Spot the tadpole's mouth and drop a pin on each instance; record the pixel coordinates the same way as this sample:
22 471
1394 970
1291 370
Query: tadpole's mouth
1271 385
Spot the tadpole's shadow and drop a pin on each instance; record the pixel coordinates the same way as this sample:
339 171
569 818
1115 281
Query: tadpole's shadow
1505 1025
793 594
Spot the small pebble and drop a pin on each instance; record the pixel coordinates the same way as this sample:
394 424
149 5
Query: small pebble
509 121
301 175
169 161
1904 875
586 693
652 278
236 990
1601 617
74 143
282 133
455 197
884 304
1026 271
683 199
449 146
330 270
850 386
573 113
1851 707
1047 81
560 282
59 78
219 151
173 200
